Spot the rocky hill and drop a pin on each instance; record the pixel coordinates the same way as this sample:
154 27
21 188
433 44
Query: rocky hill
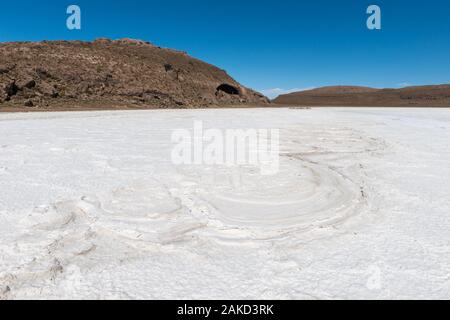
418 96
112 74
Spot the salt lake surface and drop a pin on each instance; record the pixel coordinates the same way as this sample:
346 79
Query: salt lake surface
93 207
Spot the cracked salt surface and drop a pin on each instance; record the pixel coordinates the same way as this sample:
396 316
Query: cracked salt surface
92 207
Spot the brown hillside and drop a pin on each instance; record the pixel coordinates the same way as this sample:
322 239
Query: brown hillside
341 89
105 74
418 96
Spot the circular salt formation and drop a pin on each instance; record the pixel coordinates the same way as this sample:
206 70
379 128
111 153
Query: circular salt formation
319 184
297 196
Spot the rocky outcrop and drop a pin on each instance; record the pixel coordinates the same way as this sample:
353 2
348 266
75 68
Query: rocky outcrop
108 73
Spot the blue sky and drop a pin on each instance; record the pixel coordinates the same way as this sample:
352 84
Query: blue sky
271 46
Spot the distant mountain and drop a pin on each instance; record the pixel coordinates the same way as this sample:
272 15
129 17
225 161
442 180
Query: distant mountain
106 74
417 96
341 89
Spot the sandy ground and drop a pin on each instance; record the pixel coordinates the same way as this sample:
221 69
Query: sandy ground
92 207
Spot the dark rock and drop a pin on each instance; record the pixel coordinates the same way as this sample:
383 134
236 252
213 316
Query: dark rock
28 103
29 84
168 67
11 89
